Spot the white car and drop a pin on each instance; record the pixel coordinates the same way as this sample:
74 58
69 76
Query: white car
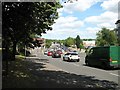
71 56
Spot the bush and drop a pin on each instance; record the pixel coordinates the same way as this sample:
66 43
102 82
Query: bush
22 52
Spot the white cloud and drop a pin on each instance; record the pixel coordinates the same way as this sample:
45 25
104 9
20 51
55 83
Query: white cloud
108 25
67 22
65 33
79 5
106 19
92 30
65 27
70 26
110 5
60 11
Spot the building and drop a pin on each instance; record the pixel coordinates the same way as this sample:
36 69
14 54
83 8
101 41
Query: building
41 41
88 43
118 30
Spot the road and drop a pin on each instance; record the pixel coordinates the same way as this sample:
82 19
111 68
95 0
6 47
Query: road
79 68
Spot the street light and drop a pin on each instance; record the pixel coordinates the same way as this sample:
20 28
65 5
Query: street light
118 30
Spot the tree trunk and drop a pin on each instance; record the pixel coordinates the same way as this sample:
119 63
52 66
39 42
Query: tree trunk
7 55
14 50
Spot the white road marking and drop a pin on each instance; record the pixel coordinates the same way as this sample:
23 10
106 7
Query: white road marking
114 74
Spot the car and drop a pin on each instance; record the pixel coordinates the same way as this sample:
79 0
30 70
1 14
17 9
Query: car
71 56
59 51
56 54
45 52
49 53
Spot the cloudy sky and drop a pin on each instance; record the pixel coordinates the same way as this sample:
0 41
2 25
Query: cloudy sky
84 18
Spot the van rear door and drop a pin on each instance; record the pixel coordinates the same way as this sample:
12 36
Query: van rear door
115 55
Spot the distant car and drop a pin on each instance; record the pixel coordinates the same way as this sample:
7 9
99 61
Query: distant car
56 54
49 53
71 56
59 51
45 52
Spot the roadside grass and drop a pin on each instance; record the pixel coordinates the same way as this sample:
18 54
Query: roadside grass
19 57
18 73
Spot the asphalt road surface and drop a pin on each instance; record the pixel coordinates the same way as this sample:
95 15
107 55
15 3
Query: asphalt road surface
79 68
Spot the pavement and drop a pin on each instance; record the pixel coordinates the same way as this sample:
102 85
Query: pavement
34 72
46 65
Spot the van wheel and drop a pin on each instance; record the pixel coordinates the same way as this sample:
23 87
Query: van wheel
86 62
105 65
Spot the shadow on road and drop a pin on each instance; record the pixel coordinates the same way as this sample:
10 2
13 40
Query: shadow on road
29 74
102 68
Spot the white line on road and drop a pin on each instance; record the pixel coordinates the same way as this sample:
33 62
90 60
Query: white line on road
114 74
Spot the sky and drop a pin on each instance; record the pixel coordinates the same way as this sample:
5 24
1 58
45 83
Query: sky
84 18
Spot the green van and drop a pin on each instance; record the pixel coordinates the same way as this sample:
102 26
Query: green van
105 57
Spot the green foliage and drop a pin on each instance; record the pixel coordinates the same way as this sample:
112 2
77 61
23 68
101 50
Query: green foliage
79 42
106 37
22 20
81 46
69 41
48 43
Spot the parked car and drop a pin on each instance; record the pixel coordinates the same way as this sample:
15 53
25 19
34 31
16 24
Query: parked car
71 56
49 53
56 54
45 52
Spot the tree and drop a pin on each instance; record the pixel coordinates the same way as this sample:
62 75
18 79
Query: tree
106 37
79 42
21 19
69 41
48 43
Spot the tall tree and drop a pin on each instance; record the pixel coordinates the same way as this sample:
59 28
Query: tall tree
21 19
78 41
106 37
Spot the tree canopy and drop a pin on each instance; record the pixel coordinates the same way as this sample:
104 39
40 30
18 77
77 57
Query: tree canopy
21 20
79 42
106 37
69 41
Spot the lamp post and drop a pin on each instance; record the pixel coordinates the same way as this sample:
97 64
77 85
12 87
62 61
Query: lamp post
118 31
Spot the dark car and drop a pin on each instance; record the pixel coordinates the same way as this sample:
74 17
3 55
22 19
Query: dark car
59 51
56 54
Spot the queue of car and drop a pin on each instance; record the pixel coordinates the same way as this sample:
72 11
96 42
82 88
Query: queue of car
68 56
104 56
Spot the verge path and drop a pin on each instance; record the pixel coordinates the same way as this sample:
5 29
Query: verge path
48 66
